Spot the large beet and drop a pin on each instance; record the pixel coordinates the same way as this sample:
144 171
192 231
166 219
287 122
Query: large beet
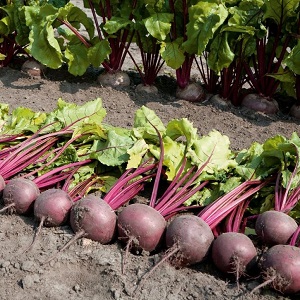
281 268
19 195
275 227
94 218
191 236
142 225
52 207
233 252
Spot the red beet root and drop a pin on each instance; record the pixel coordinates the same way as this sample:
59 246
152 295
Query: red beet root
19 195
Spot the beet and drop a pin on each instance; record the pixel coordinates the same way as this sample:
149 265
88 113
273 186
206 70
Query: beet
233 252
141 226
94 218
52 207
275 227
257 102
192 237
281 268
19 195
193 92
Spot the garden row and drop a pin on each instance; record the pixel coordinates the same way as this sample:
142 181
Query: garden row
231 43
205 198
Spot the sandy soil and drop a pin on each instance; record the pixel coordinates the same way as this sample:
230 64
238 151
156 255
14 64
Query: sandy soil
89 270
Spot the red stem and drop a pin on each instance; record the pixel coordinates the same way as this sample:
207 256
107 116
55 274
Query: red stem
75 31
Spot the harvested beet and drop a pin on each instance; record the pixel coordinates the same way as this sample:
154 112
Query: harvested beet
281 268
93 218
141 226
51 208
233 252
191 236
275 227
19 195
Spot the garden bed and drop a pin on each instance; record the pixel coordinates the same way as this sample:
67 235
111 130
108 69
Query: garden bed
89 270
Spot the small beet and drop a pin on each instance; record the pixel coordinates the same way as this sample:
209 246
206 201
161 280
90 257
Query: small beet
51 208
92 218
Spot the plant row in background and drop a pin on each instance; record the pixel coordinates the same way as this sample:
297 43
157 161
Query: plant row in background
232 42
240 207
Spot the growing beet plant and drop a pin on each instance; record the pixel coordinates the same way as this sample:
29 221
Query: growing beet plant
13 32
152 25
230 44
55 39
280 19
116 29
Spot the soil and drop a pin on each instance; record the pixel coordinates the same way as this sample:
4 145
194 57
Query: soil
89 270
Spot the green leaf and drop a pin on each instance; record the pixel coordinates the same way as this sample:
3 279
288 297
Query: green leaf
4 26
90 131
15 21
172 54
205 19
98 52
174 154
182 128
246 15
43 45
77 17
293 59
77 56
215 145
220 55
67 113
159 25
136 153
115 24
143 128
249 160
280 10
284 76
58 3
23 119
113 151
